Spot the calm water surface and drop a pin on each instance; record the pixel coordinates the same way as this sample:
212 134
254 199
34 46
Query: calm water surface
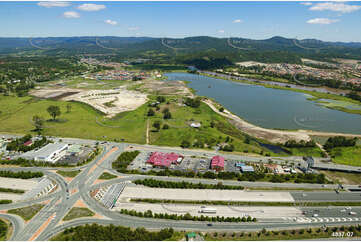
271 108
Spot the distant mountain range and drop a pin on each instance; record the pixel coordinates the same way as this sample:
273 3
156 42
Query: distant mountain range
236 49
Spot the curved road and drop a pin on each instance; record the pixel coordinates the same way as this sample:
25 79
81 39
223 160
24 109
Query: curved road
46 223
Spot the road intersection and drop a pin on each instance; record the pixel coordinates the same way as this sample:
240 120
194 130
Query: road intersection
48 222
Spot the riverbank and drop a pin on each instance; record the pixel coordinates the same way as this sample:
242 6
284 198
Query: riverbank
315 95
272 135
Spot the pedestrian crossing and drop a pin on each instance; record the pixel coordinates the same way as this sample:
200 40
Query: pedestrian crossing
321 219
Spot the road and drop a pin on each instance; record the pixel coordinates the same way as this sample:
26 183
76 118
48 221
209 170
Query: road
46 223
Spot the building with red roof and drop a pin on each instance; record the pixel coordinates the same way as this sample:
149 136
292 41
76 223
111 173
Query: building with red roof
28 143
217 163
164 160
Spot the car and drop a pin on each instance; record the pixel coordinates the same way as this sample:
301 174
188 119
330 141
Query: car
209 225
315 215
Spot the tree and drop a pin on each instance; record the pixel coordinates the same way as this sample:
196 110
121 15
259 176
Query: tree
54 111
165 126
185 144
38 123
167 115
68 108
150 112
156 125
161 99
221 109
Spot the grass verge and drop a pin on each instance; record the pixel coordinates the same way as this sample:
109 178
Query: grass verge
78 213
107 176
27 212
68 173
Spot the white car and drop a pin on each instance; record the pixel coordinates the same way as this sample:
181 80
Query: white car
315 215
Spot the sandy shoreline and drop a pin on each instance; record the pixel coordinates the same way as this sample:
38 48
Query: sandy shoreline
272 135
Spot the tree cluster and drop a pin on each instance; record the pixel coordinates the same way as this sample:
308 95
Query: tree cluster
18 144
124 159
301 144
339 141
193 102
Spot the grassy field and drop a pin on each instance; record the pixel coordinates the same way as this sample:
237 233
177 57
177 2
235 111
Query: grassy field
78 213
347 155
107 176
80 122
343 177
180 130
68 173
85 122
307 151
27 212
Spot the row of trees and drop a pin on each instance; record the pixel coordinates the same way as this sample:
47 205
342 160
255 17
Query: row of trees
185 185
302 233
187 216
96 232
21 174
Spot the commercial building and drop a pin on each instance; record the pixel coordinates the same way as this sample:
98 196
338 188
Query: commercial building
163 160
240 164
217 163
247 169
50 153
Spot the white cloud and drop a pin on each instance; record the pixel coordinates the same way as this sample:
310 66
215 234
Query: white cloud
133 28
91 7
221 31
306 3
53 4
71 14
111 22
237 21
336 7
322 21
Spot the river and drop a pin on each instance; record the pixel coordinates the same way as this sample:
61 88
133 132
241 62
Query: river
271 108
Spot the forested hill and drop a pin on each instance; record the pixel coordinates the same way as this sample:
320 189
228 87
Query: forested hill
275 49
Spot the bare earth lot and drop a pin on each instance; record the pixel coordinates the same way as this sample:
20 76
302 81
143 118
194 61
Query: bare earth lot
110 102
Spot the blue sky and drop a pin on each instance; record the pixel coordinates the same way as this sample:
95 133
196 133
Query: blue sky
333 21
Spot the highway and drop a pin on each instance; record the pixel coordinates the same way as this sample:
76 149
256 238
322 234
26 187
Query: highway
46 223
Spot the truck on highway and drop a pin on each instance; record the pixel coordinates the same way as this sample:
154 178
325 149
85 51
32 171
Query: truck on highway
205 209
352 213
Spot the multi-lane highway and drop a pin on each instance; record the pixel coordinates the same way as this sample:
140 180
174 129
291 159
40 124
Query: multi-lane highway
47 222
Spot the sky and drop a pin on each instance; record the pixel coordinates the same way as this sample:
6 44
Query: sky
329 21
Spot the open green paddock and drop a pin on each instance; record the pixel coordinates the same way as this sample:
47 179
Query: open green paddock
17 112
83 121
